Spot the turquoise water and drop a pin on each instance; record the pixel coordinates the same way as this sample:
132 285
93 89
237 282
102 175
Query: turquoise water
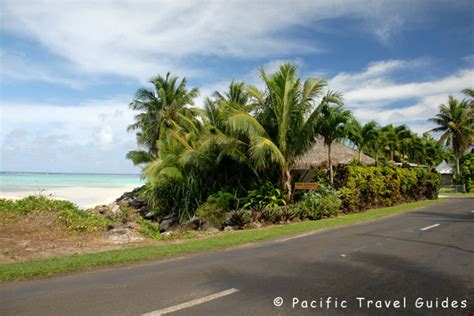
15 180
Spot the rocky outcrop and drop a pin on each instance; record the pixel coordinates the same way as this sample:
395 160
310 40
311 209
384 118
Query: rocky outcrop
136 202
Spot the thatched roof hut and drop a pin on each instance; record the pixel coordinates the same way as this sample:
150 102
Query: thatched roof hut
318 156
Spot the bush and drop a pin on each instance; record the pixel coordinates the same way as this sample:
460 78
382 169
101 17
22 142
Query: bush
211 213
215 209
264 196
68 213
467 171
282 213
238 219
224 200
82 221
367 187
324 201
149 229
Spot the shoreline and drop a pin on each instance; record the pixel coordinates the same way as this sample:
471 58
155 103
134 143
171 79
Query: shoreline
83 196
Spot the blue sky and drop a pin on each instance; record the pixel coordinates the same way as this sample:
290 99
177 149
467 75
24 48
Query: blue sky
68 69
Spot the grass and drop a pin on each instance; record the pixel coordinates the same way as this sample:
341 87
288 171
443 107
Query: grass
55 265
69 214
471 194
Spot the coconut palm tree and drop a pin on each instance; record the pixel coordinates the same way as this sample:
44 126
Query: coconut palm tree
468 92
333 126
285 120
158 109
456 122
362 135
379 143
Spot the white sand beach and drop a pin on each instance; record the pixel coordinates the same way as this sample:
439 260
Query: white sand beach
84 197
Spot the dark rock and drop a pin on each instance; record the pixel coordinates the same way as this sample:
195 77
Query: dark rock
129 195
149 215
138 202
194 223
166 224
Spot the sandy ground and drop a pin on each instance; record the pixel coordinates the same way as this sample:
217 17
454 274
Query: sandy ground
84 197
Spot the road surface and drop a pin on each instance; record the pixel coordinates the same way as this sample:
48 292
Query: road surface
423 257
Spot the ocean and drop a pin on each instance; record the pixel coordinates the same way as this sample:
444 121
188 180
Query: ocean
19 181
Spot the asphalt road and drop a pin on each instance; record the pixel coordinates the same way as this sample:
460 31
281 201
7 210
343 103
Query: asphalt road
427 255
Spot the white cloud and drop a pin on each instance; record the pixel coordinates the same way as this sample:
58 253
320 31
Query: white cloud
17 67
374 95
75 138
141 38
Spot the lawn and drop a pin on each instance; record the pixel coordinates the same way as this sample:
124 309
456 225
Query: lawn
457 194
52 266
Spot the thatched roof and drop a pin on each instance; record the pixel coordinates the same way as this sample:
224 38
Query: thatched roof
318 155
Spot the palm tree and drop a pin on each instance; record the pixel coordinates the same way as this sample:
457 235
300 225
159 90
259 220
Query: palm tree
333 126
158 109
379 143
456 121
362 135
286 119
468 92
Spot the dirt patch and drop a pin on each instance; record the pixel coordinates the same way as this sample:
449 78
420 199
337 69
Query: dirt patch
40 235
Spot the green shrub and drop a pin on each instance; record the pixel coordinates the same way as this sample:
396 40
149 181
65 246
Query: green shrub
215 209
124 215
69 214
467 171
282 213
212 214
149 229
324 201
264 196
224 200
82 221
238 219
367 187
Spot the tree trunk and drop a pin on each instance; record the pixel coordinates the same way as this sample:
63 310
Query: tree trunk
286 182
458 170
360 155
331 175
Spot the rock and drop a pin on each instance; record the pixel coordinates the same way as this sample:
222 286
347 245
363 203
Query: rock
114 208
129 195
166 224
102 209
134 225
194 223
228 228
123 203
123 235
138 202
149 215
167 234
169 216
93 211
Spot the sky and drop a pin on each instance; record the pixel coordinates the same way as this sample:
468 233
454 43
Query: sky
69 69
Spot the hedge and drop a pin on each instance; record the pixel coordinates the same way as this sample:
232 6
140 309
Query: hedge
367 187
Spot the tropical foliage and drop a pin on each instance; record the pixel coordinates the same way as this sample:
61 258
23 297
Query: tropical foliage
366 187
455 121
243 143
